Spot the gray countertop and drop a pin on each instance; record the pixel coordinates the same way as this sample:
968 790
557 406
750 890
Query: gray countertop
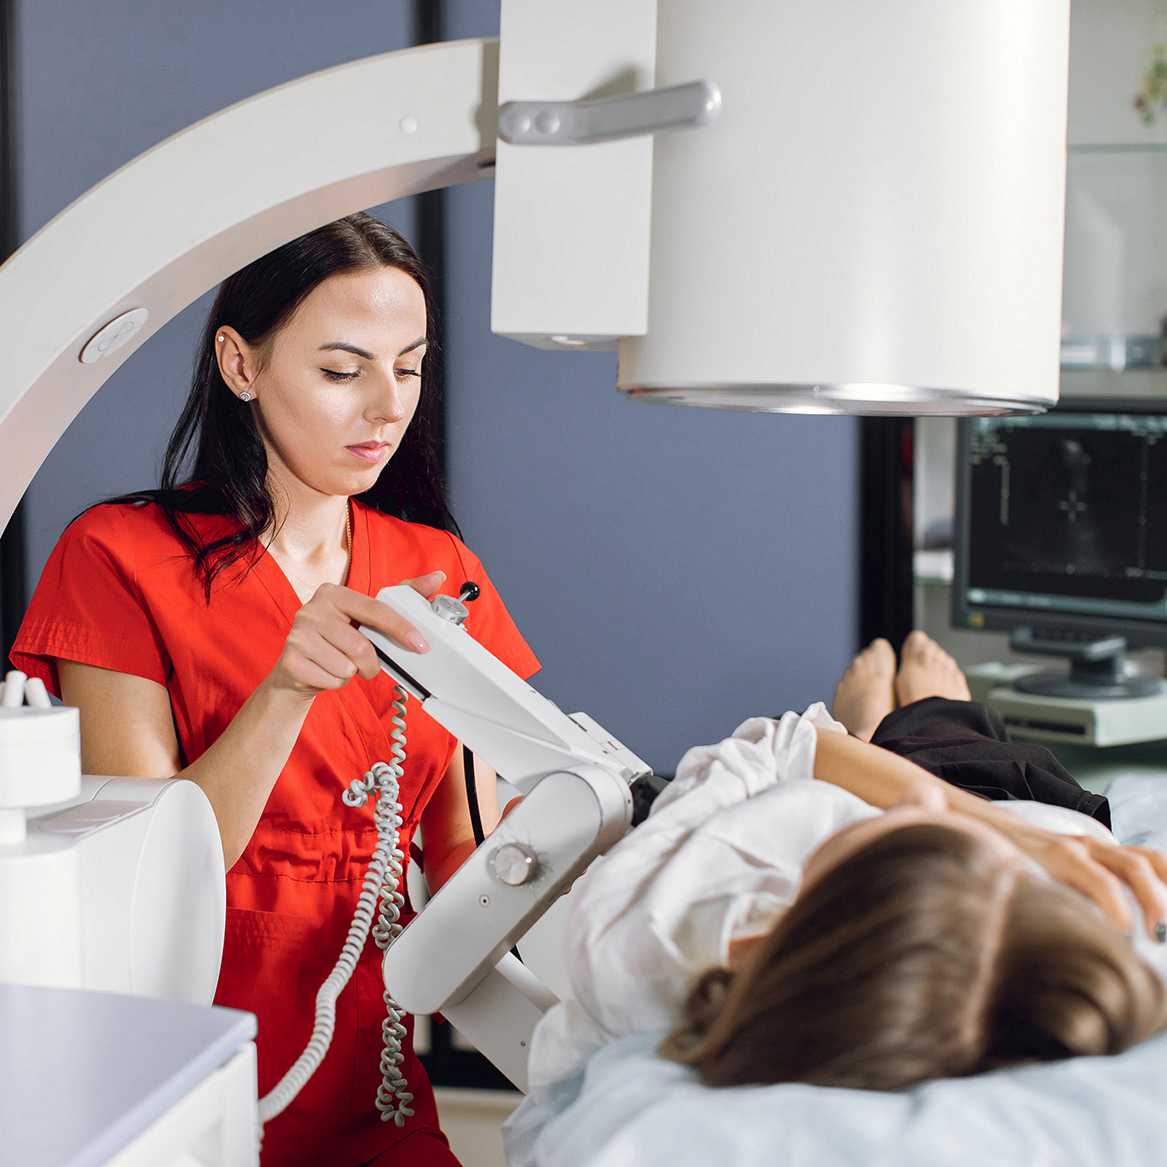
83 1073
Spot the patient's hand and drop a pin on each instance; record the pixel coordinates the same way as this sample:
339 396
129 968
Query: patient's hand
1098 870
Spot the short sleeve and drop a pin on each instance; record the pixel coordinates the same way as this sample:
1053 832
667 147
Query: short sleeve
88 606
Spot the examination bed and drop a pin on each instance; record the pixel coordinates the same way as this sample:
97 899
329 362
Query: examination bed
627 1106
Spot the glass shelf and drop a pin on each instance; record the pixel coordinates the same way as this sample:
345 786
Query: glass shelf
1116 353
1118 148
932 568
1114 303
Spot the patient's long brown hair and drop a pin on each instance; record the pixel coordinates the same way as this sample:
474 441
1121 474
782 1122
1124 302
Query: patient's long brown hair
922 956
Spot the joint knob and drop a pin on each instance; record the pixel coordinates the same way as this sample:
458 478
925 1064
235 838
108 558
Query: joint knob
514 865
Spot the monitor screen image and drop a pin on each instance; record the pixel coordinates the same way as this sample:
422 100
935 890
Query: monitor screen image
1061 528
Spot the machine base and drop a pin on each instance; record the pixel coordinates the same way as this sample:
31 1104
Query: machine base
1031 717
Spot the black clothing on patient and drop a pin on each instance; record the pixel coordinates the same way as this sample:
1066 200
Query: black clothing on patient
967 745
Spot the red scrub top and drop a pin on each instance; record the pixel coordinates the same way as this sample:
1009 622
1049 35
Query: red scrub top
120 592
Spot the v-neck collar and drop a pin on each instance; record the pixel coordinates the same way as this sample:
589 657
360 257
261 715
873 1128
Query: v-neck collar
280 588
353 701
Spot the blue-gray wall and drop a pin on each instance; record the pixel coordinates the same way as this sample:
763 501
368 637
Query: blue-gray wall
675 570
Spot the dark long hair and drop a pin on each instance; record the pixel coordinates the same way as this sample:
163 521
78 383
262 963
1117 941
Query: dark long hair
229 471
920 957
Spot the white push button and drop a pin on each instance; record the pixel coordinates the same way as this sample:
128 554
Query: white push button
119 331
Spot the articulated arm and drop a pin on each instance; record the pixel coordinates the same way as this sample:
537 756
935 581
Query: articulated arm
453 957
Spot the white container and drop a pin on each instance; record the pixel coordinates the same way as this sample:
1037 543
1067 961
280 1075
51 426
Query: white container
40 755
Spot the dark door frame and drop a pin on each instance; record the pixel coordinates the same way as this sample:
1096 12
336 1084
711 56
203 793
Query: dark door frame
885 536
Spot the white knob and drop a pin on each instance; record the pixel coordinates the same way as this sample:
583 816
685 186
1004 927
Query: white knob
12 691
513 864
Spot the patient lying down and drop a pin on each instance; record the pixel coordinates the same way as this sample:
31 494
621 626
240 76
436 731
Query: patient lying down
804 906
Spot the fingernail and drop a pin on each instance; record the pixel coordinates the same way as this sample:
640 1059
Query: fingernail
1161 932
416 641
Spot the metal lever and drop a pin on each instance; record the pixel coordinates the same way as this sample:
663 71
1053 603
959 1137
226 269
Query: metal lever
605 119
454 610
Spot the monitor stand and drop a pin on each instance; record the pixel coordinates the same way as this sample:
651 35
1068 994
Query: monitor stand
1097 667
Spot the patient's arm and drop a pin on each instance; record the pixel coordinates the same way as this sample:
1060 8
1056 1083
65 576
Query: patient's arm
1095 868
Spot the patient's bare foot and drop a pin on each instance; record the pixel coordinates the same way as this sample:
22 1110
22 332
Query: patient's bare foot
926 670
866 694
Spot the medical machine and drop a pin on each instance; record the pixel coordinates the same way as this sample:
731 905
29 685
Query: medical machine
863 203
873 239
1061 540
578 785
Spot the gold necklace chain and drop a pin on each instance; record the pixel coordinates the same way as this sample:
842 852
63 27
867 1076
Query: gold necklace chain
348 525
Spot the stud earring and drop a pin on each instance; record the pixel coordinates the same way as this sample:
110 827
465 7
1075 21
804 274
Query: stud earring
245 396
220 338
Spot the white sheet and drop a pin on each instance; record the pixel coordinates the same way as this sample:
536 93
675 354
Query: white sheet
629 1108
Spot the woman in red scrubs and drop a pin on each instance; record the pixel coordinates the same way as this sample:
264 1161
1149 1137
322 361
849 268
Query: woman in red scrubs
206 631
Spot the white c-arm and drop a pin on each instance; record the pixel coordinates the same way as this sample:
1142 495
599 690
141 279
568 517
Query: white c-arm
454 956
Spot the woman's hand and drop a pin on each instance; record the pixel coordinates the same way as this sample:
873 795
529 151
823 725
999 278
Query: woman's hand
1098 869
325 648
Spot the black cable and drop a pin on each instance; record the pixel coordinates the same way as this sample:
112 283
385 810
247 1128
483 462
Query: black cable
472 797
467 594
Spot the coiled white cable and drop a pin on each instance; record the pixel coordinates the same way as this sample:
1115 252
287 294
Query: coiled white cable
382 880
393 1095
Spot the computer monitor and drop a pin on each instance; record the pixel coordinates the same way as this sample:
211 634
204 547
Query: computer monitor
1060 538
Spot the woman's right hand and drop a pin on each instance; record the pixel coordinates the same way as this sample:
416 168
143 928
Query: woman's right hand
325 648
1098 869
1095 868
